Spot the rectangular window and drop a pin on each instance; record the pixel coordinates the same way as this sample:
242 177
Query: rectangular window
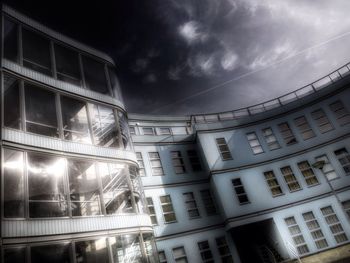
156 163
240 192
10 40
287 133
304 128
95 75
334 224
209 202
204 250
50 253
148 131
75 120
162 257
164 131
168 210
308 173
344 159
296 235
346 206
254 143
125 248
40 108
224 251
322 121
315 230
13 184
271 139
178 162
273 183
14 255
36 52
179 255
290 179
115 83
104 127
194 160
139 158
152 211
12 108
327 169
223 149
191 205
340 112
92 251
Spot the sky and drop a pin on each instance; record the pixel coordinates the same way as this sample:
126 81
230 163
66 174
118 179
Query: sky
200 56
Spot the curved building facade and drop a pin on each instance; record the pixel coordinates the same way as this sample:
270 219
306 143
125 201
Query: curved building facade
83 181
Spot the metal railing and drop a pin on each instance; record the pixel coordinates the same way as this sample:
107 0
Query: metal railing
311 88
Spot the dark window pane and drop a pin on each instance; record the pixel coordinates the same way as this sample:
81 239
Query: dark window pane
92 251
40 108
84 188
12 117
75 121
124 129
10 40
13 184
36 52
14 255
67 65
50 253
115 84
95 77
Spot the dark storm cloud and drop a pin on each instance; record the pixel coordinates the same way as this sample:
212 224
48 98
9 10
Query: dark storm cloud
191 56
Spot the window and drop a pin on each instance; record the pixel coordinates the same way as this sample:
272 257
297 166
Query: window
75 120
54 253
92 251
14 184
47 196
191 205
287 133
95 75
139 158
340 112
150 247
178 162
304 128
104 127
132 130
290 179
240 192
10 40
67 65
224 250
327 169
273 183
223 149
179 255
152 211
334 224
84 189
315 230
296 235
40 108
14 255
12 115
344 159
115 84
209 202
194 160
271 139
164 131
148 131
322 120
254 143
156 163
346 206
125 247
36 52
124 129
308 173
168 210
204 250
162 257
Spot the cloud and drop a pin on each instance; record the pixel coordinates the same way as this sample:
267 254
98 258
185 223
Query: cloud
191 31
150 78
229 61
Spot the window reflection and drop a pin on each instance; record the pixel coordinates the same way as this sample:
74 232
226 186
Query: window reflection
124 129
10 40
58 253
84 188
12 117
92 251
15 255
95 76
150 247
115 84
126 248
75 120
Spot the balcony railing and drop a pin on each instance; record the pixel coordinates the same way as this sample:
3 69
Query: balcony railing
277 102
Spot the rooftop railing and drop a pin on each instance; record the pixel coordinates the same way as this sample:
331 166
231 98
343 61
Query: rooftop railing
277 102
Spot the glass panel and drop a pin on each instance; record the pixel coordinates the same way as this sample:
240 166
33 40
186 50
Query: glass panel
84 188
150 248
40 106
36 52
75 120
13 184
67 65
15 255
58 253
104 127
124 129
95 77
92 251
115 84
12 116
126 248
10 40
